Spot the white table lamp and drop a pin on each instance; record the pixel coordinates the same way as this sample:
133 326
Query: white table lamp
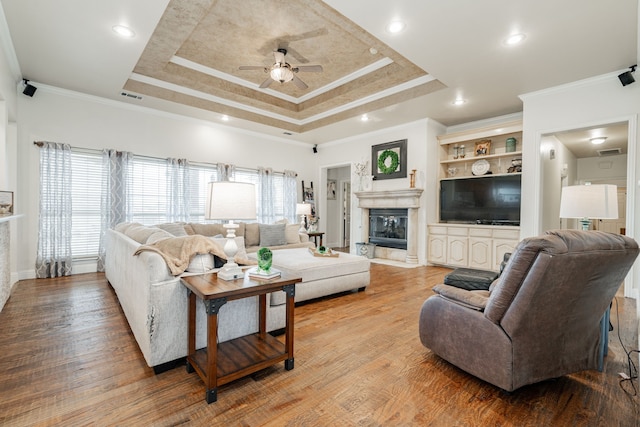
587 202
303 209
230 201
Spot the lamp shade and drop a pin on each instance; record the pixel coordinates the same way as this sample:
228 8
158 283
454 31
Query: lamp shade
230 200
589 201
303 209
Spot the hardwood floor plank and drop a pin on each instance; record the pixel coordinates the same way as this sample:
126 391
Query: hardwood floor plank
69 358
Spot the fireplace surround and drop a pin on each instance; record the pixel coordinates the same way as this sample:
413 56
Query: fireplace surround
408 199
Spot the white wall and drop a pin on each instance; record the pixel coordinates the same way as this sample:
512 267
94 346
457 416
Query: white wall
605 170
421 155
82 121
597 101
552 171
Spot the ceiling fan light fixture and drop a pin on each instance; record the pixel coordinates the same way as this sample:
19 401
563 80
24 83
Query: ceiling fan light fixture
281 73
599 140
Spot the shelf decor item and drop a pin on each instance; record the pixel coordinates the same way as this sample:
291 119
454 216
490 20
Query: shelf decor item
389 160
510 145
483 147
265 259
480 167
6 203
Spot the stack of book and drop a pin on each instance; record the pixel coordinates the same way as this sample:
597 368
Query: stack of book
256 273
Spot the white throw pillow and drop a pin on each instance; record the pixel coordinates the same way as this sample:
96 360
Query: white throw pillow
292 233
201 263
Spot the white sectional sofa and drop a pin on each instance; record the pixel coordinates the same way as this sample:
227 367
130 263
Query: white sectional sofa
155 302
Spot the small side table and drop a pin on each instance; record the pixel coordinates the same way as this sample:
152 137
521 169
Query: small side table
315 235
224 362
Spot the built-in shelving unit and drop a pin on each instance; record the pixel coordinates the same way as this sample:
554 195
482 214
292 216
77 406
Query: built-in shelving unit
475 245
499 158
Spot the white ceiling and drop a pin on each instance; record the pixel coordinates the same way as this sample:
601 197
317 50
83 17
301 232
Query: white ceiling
69 44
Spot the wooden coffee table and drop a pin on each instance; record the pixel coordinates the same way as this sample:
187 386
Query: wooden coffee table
218 364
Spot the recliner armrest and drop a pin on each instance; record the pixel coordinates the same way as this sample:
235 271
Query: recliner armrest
475 300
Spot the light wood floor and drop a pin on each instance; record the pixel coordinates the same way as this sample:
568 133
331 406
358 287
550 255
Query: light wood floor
68 358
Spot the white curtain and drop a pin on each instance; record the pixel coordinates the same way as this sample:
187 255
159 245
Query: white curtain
290 195
264 195
116 194
178 190
53 257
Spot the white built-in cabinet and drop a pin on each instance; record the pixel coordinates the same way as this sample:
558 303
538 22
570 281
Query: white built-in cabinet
471 246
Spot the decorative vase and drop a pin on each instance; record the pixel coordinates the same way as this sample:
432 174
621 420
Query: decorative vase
510 145
412 178
265 259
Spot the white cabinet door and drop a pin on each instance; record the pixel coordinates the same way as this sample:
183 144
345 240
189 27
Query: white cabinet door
480 253
501 247
457 251
437 249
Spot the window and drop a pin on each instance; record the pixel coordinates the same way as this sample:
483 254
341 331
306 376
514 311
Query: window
149 202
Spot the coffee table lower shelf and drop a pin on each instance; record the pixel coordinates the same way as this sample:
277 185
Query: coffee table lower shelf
242 356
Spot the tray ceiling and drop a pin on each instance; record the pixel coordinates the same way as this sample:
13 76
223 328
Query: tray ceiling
194 54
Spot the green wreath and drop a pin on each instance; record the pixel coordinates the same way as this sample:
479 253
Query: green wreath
382 162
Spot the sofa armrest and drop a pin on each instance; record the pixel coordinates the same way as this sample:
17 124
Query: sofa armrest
476 300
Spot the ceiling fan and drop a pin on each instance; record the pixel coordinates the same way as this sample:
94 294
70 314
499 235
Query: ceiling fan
281 71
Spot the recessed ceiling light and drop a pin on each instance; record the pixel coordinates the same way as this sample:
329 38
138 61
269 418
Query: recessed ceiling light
515 39
364 118
123 31
459 101
395 27
225 118
599 140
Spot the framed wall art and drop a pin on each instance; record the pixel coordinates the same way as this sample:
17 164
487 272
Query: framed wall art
389 160
309 197
332 189
483 147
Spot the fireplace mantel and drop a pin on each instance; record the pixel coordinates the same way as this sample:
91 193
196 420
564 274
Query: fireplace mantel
405 198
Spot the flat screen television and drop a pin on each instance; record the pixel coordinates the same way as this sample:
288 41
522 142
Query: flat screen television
481 200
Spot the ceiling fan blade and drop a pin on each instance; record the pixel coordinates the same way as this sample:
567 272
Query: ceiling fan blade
251 67
265 84
309 68
299 83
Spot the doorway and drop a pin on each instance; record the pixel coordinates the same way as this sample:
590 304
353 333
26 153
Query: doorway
346 214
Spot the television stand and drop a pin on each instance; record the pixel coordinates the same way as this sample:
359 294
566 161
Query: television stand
476 246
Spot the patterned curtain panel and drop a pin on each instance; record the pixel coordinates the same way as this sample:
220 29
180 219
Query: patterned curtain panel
265 196
53 258
178 194
290 195
116 194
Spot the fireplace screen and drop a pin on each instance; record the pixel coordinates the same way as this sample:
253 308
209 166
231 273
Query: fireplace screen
388 227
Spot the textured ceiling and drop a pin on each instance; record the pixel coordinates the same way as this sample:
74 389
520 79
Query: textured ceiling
194 57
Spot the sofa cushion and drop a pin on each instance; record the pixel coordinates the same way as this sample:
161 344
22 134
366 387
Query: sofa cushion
291 233
175 228
141 233
212 229
272 235
157 236
251 234
302 263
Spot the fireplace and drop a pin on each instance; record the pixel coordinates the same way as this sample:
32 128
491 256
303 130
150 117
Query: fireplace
388 227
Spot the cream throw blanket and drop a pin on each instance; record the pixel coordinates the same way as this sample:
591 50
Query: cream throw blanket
178 251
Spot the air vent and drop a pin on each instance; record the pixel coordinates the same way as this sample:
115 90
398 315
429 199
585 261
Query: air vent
130 95
609 152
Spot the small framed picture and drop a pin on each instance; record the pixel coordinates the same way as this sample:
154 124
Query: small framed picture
6 202
483 147
332 188
389 160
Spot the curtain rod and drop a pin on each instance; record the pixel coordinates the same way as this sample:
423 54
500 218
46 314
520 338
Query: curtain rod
97 150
